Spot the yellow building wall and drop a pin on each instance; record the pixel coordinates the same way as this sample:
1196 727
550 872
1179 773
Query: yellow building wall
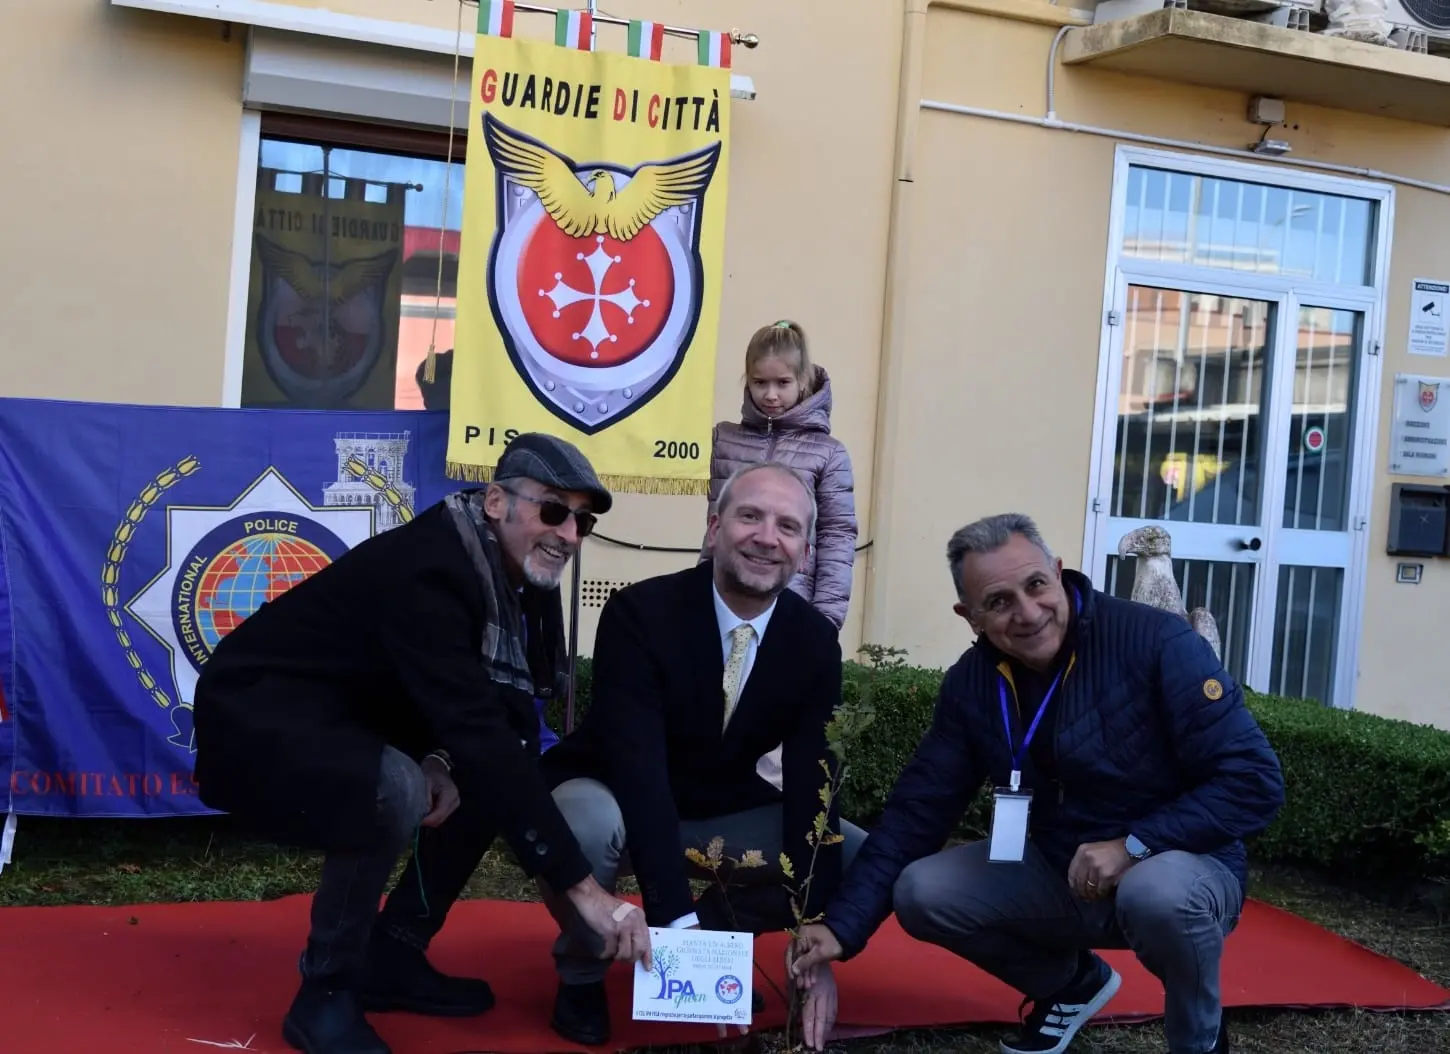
116 283
1005 262
119 174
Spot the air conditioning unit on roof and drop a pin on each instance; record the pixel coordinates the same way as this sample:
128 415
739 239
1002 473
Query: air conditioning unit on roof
1287 14
1420 25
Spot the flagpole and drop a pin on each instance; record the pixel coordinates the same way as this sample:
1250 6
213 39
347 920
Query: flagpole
593 9
748 40
573 639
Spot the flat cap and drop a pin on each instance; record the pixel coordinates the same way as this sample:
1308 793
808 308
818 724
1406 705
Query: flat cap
554 462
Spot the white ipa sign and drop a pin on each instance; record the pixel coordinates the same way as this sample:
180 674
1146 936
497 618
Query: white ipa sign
1420 433
1430 318
697 975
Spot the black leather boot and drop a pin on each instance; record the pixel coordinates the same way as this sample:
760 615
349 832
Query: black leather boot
326 1018
399 977
581 1013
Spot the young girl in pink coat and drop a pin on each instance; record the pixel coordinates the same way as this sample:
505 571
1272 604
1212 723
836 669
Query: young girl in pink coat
786 417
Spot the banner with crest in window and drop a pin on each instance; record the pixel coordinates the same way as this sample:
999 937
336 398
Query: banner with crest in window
592 252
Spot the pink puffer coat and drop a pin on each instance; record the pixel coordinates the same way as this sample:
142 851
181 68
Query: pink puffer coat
801 438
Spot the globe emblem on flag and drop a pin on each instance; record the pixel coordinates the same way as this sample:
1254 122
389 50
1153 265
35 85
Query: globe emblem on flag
247 574
237 567
595 276
221 562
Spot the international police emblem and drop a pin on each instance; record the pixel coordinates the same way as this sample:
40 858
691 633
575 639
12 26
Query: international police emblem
223 562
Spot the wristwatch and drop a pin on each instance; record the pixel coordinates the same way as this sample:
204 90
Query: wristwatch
1136 849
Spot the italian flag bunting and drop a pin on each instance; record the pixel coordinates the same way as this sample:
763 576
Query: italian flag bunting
647 40
714 49
495 18
572 29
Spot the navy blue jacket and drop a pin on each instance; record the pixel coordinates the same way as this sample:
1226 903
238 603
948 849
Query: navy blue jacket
1151 735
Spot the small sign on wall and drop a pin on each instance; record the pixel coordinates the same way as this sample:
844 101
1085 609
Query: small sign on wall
1429 318
1420 432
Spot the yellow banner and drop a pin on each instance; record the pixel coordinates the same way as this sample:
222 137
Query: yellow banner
591 258
326 289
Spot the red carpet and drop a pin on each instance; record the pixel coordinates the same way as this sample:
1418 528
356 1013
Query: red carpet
157 979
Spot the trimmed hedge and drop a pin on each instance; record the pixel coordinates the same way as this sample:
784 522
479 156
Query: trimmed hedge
1367 796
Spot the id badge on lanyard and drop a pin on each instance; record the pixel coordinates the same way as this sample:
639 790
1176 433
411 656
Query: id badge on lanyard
1011 805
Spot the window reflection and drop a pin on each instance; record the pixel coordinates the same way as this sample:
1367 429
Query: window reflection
1189 442
379 272
1176 217
1306 632
1191 403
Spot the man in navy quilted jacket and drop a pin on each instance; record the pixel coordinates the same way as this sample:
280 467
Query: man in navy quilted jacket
1127 774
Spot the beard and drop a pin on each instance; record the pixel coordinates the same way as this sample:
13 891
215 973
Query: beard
752 580
543 573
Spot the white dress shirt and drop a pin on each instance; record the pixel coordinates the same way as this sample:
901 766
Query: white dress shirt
727 620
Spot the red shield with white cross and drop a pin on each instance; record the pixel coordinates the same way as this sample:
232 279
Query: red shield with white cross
595 273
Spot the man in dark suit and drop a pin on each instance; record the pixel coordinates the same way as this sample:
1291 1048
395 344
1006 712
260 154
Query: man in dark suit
697 676
396 688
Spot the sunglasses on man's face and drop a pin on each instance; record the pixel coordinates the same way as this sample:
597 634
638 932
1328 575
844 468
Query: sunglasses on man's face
553 513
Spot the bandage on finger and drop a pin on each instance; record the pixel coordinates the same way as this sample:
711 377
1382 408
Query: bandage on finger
623 911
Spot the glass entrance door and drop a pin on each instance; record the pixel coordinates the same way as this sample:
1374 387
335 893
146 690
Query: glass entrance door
1193 386
1238 394
1236 432
1315 546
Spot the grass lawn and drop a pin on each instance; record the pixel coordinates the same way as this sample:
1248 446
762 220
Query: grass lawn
98 862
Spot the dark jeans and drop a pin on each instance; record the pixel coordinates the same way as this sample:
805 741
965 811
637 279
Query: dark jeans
345 906
442 862
1021 924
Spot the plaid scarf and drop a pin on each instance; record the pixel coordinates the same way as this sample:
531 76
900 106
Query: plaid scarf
506 653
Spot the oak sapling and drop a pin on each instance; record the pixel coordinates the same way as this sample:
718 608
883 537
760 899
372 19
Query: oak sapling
848 723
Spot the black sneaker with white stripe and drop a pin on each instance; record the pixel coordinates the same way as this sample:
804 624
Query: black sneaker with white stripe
1055 1020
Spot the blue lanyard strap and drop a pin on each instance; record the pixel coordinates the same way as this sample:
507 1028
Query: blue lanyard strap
1018 753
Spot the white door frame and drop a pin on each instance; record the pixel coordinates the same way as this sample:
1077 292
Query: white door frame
1289 293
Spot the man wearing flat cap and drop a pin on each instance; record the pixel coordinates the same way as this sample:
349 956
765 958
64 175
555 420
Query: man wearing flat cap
388 702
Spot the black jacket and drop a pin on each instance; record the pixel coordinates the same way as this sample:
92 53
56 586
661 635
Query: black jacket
1149 734
380 647
653 731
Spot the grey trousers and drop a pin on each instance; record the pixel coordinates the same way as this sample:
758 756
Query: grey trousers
1021 924
345 906
594 817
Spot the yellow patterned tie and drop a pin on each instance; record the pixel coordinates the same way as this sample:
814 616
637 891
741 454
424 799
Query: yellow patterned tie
740 638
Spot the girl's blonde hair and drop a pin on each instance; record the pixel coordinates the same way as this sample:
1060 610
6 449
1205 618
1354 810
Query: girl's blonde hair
786 341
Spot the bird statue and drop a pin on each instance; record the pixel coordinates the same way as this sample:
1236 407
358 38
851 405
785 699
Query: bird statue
1154 584
580 210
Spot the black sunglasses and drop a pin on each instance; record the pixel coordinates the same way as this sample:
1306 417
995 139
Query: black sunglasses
552 513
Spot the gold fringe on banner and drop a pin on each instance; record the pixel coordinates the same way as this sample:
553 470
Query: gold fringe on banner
619 484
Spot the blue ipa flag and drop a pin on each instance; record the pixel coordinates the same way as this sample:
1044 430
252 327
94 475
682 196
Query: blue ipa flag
132 539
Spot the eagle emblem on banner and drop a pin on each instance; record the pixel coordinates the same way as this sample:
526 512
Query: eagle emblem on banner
594 275
1429 395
